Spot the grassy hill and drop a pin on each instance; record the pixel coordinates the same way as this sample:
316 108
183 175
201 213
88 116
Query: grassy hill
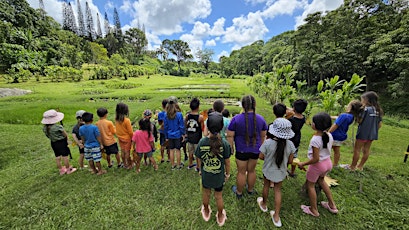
35 196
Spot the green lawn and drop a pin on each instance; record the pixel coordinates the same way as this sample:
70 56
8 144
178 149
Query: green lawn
34 196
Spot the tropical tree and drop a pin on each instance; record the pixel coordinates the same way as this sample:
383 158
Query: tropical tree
205 57
180 49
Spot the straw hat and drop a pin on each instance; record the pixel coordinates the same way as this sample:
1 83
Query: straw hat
51 117
281 128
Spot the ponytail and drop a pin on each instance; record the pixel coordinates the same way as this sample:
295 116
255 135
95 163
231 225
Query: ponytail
215 142
325 139
279 154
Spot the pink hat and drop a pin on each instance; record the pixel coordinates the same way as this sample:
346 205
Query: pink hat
51 117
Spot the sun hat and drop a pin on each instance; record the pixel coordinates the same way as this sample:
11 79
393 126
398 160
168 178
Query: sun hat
147 113
281 128
79 113
51 117
215 122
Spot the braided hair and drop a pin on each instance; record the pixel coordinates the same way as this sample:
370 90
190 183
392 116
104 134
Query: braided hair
249 103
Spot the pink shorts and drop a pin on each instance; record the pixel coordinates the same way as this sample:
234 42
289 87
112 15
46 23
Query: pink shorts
319 169
125 144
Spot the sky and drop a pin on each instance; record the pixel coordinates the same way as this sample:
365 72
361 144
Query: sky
219 25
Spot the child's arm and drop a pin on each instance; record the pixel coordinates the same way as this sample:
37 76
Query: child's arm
333 128
77 140
261 156
230 139
227 167
290 159
201 122
315 158
64 134
100 142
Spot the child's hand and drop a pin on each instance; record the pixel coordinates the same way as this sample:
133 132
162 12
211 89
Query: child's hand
226 177
301 165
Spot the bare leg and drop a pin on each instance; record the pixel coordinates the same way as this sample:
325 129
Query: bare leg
81 160
327 192
313 197
153 162
241 175
266 189
109 160
337 154
219 202
92 166
357 150
138 164
178 157
58 161
277 200
118 159
172 157
99 167
251 174
66 162
365 155
205 200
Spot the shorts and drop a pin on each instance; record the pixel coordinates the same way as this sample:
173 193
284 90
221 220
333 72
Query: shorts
93 154
191 147
162 139
81 150
337 143
243 156
219 189
174 143
112 149
125 144
295 155
364 141
60 148
148 154
319 169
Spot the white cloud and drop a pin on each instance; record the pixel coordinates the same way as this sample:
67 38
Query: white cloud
223 53
211 42
195 43
218 27
281 7
317 6
246 30
166 17
52 7
126 6
201 29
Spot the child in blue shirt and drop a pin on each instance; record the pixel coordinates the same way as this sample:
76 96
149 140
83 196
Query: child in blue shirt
91 138
339 129
174 129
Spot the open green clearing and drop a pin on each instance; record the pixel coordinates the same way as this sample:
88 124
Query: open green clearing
34 196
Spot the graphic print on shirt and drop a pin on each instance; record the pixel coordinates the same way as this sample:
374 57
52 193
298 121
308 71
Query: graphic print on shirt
192 125
211 163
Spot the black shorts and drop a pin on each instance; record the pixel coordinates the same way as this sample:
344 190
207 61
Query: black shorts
82 150
219 189
243 156
60 148
174 143
112 149
162 139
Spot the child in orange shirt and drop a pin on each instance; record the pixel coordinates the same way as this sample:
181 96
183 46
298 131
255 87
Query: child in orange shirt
124 133
107 130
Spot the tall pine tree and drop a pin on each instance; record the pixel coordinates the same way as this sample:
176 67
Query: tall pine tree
90 31
106 25
99 30
72 24
81 24
65 22
117 23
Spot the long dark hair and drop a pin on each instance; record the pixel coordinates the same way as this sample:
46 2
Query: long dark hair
249 103
279 153
171 109
372 100
145 125
215 142
122 111
322 122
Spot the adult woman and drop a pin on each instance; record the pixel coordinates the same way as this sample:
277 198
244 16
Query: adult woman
246 133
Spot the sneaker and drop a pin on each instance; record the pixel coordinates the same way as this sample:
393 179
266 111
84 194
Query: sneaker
191 166
174 167
197 169
182 164
179 167
161 161
71 170
234 189
121 165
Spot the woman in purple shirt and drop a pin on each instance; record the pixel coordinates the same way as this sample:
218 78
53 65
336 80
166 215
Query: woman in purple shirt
246 133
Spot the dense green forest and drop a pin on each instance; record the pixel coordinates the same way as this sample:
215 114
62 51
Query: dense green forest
365 37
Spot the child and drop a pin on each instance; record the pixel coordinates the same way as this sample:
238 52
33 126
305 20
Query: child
174 129
91 138
277 151
369 125
226 122
214 154
142 140
194 123
279 110
124 133
339 129
218 106
58 138
107 130
162 139
319 155
77 138
297 122
147 114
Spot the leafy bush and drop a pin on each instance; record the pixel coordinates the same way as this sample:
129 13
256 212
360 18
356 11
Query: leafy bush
60 74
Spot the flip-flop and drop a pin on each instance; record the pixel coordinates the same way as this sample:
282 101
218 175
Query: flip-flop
306 209
221 223
278 223
325 205
205 218
259 201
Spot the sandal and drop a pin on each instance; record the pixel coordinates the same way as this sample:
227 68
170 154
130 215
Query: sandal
206 218
259 202
221 223
306 209
325 205
278 223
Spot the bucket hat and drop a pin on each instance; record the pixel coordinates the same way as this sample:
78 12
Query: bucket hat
281 128
51 117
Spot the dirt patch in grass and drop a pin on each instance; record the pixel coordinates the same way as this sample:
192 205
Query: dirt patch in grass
6 92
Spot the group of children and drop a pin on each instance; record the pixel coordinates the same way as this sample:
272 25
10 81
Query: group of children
206 139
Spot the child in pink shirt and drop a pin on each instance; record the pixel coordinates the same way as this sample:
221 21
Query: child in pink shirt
142 140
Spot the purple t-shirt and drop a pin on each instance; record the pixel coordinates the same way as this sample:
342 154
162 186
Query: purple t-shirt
238 125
